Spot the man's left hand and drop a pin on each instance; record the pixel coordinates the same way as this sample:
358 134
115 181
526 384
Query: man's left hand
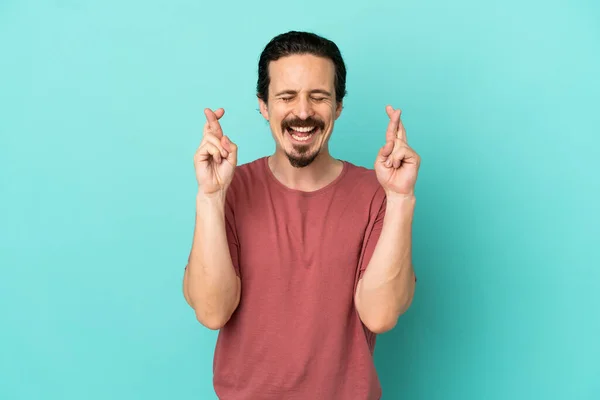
397 165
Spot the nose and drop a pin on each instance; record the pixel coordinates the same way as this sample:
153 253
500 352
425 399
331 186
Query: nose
304 108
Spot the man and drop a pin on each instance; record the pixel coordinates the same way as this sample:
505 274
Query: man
300 259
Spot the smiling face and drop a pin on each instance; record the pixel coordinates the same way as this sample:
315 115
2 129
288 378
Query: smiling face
301 107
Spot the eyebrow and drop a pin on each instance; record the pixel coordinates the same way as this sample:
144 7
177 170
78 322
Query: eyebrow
315 91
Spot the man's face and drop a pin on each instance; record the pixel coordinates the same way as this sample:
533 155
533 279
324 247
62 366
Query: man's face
301 107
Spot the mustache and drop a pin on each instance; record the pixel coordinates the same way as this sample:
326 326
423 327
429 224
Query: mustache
302 123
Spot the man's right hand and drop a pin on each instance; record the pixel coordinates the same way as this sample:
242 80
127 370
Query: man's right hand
216 157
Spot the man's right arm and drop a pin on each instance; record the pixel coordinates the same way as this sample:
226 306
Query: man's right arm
211 286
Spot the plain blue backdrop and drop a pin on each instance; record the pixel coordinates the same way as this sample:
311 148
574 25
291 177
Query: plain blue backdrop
100 115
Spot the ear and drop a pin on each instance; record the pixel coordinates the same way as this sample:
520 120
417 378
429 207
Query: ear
339 108
264 110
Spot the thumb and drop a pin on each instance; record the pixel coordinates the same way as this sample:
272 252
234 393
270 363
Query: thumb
232 149
385 151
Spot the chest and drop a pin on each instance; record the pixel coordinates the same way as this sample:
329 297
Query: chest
302 242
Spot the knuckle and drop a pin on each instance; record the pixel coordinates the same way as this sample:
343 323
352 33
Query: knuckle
203 149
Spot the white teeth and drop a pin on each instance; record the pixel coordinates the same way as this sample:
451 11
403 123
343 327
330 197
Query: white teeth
304 129
301 139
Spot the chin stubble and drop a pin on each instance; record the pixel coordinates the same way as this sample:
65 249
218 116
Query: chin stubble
303 158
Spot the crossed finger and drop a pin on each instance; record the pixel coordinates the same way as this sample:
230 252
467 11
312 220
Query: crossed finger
395 128
216 142
212 124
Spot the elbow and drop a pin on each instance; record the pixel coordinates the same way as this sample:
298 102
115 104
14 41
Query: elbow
216 318
383 319
213 310
378 320
212 322
380 325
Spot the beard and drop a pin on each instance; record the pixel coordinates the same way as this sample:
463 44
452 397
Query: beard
303 158
302 155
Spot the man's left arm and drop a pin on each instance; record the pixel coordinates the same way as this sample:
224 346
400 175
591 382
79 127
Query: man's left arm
386 288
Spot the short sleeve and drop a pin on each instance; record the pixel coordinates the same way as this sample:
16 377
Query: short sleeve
372 236
232 237
374 229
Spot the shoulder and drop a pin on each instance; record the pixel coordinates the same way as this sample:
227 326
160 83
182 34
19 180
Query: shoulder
362 177
361 174
250 170
247 178
363 185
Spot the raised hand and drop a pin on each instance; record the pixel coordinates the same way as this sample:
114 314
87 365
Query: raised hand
216 157
397 165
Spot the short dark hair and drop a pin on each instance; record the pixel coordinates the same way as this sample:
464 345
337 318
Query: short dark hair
294 42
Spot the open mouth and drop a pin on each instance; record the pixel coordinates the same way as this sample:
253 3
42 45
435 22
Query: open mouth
302 134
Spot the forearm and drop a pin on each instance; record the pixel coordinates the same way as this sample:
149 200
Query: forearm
211 285
387 286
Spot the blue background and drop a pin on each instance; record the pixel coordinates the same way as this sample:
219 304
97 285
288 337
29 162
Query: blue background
100 115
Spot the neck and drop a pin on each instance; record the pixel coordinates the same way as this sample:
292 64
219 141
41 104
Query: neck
321 172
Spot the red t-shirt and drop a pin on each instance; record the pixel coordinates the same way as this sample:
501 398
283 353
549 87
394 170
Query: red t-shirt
296 334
